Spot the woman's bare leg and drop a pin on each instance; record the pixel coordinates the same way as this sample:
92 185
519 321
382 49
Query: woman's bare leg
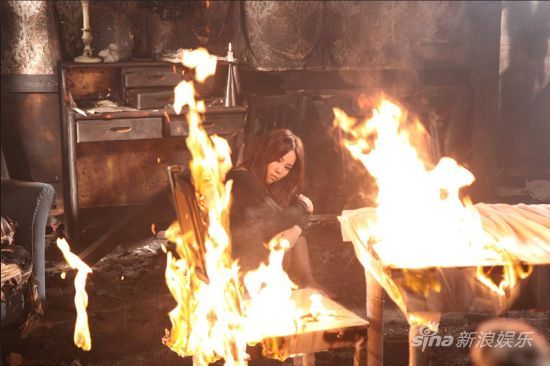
300 265
297 264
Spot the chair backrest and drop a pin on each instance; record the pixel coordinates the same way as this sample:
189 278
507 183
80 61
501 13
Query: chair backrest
191 219
267 112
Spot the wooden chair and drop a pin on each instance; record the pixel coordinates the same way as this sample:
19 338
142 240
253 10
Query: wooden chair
268 112
342 329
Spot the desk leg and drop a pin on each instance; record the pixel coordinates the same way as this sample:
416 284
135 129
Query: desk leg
73 229
360 353
70 183
417 357
375 316
307 359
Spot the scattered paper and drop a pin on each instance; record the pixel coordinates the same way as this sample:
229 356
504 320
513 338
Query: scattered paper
106 105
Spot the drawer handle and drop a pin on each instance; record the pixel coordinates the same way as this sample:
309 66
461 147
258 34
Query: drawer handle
155 76
121 129
208 124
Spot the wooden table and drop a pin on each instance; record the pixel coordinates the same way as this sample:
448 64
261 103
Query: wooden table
354 220
339 328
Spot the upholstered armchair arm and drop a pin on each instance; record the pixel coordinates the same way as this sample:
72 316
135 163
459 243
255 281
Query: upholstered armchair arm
28 204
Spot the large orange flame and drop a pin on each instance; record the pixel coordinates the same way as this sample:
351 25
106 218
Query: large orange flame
208 319
81 337
270 291
214 319
420 221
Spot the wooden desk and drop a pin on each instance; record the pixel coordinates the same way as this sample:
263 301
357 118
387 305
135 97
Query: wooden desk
120 158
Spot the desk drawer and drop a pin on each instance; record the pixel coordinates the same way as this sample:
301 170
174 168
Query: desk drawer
149 77
147 99
220 124
118 129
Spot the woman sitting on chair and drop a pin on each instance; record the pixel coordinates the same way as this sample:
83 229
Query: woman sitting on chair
267 203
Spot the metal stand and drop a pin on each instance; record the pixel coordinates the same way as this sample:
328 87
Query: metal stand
231 84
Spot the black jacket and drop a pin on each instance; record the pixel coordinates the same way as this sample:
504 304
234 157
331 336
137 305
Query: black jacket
255 218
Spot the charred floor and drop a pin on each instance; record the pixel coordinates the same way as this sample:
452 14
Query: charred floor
129 304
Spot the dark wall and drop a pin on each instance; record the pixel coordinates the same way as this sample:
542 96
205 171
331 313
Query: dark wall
141 29
30 119
435 58
281 35
417 52
440 59
352 34
524 146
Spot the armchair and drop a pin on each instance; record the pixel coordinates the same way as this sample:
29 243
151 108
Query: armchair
28 204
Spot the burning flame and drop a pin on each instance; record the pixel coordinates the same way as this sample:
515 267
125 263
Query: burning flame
213 318
200 60
420 221
423 203
270 291
81 337
208 318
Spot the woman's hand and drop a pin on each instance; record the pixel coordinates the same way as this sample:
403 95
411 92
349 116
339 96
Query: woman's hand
307 201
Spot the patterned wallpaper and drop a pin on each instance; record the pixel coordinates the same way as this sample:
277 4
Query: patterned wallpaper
30 43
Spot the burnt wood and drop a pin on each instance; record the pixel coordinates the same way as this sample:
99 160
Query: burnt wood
191 218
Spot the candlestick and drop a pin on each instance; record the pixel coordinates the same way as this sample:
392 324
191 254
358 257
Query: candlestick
86 14
230 96
86 36
230 57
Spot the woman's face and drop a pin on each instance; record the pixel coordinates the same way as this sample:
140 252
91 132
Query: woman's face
278 169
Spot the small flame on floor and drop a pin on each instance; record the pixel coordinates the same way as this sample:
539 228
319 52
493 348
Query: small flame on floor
81 337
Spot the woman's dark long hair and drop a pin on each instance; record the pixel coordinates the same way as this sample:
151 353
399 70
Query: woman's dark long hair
271 147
